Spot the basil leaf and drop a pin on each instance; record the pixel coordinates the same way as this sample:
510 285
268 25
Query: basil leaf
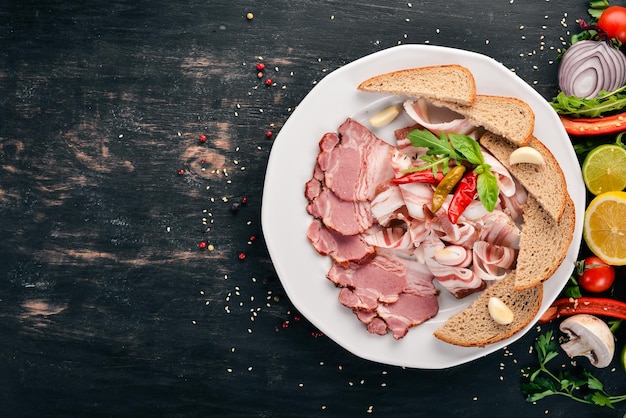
468 148
487 187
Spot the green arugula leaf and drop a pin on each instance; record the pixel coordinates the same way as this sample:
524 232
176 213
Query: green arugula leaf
605 103
423 138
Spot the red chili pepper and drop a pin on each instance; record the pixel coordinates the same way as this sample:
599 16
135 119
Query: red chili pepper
585 305
425 176
595 126
464 194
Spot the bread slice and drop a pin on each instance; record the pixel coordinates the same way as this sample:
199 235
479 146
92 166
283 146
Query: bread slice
543 243
546 183
451 83
509 117
474 327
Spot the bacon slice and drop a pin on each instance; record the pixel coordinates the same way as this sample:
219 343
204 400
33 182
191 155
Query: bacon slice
419 112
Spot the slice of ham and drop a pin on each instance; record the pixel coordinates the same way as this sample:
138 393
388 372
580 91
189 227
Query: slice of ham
383 276
356 164
387 293
342 216
410 310
343 249
360 299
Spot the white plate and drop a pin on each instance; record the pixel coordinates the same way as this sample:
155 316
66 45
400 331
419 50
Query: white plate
285 221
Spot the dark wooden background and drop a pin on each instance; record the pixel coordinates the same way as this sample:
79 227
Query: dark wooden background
108 305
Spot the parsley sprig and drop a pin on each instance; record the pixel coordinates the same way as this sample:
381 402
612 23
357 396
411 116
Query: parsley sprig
541 382
450 146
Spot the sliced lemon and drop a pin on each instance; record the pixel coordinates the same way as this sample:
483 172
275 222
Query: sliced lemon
604 228
604 169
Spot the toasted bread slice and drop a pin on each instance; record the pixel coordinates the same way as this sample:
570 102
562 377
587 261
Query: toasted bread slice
474 327
450 83
543 243
546 183
509 117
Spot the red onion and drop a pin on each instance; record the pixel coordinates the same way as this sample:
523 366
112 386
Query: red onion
588 67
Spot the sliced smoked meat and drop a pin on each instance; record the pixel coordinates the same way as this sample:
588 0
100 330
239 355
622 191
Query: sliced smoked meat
343 249
342 216
356 164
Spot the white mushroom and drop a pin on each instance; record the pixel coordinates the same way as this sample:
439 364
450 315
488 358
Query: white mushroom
589 336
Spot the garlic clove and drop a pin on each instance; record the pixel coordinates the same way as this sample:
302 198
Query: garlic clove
385 116
499 311
526 155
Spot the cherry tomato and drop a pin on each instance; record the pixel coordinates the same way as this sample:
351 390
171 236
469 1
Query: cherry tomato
613 22
597 276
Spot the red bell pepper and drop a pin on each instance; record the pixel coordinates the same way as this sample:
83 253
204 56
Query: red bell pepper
464 194
424 176
605 125
585 305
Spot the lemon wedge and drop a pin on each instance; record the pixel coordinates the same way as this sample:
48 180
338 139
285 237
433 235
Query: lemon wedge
499 312
385 116
604 228
527 155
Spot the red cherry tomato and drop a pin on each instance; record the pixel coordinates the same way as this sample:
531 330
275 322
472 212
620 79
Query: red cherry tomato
613 22
597 276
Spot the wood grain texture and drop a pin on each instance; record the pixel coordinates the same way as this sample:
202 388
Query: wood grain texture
108 307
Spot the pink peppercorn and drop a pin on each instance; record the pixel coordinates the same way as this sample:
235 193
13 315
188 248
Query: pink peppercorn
202 245
202 138
242 256
268 82
260 66
181 171
269 134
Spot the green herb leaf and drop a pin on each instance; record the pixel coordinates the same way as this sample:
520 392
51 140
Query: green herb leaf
605 103
468 148
601 399
540 382
596 7
423 138
486 186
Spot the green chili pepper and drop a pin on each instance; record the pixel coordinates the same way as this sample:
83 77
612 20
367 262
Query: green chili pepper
446 185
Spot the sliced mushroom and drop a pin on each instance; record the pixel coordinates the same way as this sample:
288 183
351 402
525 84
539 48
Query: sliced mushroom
589 336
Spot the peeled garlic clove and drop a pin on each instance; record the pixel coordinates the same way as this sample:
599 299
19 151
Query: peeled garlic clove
526 155
385 116
499 311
